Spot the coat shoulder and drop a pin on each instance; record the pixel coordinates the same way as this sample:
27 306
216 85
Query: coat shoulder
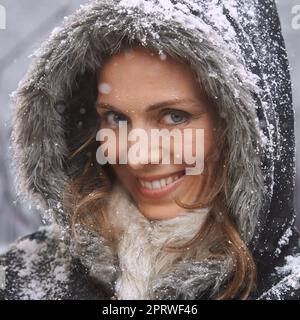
36 266
286 284
39 266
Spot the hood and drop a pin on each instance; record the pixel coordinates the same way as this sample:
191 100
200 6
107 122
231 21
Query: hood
235 47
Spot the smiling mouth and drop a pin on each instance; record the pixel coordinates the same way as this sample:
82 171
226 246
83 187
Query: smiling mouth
159 187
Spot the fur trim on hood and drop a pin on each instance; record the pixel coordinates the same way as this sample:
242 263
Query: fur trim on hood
237 52
78 49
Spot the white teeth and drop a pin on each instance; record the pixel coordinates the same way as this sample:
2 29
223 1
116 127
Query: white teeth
148 185
158 184
163 182
169 180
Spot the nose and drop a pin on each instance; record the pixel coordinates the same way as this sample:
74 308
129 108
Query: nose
141 152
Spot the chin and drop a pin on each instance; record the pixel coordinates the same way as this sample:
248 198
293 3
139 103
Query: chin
159 212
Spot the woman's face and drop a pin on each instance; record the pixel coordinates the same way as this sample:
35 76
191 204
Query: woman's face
151 91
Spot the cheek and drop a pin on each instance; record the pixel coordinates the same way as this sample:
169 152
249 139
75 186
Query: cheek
121 172
207 136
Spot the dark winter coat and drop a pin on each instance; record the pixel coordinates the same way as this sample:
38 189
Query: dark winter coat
237 47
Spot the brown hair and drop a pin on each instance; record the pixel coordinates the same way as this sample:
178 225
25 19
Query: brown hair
86 194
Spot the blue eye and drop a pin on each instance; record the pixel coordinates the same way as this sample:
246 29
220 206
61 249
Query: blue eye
175 117
112 118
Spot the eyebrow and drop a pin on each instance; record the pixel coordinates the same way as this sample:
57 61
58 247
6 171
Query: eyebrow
152 107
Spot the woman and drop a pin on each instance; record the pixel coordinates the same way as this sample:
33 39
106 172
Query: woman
145 229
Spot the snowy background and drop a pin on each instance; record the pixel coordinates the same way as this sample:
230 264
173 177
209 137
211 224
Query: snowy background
28 23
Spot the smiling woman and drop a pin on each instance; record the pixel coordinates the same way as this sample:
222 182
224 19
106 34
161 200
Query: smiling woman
146 229
139 82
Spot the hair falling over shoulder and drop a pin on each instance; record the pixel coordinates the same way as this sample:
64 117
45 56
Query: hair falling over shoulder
86 196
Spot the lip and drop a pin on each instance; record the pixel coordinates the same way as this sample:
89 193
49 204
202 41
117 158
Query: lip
159 193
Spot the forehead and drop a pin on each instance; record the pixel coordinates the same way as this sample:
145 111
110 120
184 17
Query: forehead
139 77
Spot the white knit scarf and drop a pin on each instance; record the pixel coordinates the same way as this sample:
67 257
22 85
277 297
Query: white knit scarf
139 248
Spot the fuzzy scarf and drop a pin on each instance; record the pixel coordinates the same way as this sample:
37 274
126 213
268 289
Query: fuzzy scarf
146 267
